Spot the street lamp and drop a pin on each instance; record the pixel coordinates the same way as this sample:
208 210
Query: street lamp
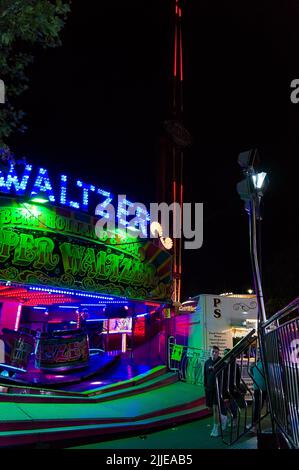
251 190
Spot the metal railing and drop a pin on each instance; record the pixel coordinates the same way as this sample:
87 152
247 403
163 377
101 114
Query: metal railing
240 399
280 337
187 361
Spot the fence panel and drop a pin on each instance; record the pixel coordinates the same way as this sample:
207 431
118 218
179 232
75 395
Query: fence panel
280 336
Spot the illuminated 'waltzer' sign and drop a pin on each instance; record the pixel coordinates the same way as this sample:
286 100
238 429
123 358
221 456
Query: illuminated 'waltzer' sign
58 247
24 180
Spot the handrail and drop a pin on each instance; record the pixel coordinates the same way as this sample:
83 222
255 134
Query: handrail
290 307
239 399
236 350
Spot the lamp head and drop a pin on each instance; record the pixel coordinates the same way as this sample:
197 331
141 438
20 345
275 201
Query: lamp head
249 160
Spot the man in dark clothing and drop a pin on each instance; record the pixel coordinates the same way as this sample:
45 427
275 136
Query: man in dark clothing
211 391
232 387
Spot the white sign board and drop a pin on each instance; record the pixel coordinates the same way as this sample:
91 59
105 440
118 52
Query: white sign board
213 322
224 313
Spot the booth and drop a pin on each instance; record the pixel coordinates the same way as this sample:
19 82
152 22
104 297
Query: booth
220 320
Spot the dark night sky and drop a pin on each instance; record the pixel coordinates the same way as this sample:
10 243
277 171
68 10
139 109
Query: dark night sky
96 105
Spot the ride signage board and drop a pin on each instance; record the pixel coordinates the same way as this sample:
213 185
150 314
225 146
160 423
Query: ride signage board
51 246
26 181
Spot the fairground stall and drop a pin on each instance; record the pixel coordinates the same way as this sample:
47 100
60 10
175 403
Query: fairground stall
74 299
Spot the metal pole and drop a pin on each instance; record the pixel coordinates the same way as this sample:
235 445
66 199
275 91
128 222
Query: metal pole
259 294
255 261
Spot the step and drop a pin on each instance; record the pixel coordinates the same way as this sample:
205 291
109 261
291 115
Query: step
145 404
131 387
7 426
35 390
62 437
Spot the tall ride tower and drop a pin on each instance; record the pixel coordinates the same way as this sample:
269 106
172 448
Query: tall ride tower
172 150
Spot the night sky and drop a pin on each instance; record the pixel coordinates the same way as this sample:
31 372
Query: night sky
96 107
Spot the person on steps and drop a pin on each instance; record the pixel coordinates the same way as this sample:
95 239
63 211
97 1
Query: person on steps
211 391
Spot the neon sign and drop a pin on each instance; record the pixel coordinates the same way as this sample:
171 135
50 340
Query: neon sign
61 353
24 180
54 248
28 258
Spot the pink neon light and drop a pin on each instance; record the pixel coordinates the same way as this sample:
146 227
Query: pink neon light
18 317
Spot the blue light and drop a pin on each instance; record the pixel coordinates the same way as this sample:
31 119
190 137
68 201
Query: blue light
49 290
24 182
141 219
12 179
93 305
43 185
122 211
63 187
108 302
95 319
74 205
68 306
63 193
101 207
141 214
86 188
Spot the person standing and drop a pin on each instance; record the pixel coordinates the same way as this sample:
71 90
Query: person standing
211 391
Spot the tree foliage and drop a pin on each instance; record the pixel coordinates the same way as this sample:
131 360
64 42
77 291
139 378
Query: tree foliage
24 25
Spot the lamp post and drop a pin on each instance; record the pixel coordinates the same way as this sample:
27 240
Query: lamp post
251 190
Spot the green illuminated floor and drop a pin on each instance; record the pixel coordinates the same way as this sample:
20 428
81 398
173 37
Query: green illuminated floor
147 402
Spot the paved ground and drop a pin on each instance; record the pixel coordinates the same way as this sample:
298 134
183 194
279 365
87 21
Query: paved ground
194 435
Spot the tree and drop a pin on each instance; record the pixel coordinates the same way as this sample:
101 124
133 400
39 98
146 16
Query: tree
24 25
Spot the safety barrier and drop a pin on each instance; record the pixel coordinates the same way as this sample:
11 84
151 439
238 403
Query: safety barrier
280 336
239 384
187 361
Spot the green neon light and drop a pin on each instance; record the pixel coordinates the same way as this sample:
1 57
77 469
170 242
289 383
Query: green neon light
39 200
31 257
28 216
